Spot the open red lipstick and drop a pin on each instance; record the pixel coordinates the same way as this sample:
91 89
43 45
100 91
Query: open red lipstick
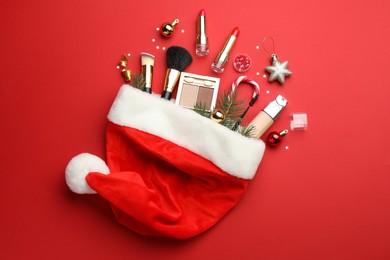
202 47
219 63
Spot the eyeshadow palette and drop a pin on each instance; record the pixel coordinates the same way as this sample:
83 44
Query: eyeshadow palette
197 89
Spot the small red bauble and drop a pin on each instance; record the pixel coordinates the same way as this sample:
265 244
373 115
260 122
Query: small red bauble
274 138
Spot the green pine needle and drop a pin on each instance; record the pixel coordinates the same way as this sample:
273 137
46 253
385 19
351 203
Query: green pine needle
138 81
230 106
247 131
232 109
201 109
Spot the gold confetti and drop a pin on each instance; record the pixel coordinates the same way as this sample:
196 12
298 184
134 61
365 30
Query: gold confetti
125 71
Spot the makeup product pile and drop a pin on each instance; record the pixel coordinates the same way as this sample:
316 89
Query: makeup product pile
200 92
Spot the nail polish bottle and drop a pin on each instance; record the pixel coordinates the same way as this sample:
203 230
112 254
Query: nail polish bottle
267 116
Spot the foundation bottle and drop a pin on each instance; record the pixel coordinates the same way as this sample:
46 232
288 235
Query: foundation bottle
267 116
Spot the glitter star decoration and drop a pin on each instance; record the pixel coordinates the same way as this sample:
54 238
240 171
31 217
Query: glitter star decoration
278 70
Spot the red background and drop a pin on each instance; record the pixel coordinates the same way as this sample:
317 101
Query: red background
326 197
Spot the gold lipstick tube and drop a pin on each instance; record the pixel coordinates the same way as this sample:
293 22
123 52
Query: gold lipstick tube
220 62
202 47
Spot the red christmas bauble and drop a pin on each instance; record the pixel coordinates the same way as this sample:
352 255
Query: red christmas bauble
274 138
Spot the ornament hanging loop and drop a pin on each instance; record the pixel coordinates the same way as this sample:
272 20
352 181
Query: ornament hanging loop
271 49
284 132
175 22
274 58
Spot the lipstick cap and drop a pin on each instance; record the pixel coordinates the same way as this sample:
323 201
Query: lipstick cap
274 107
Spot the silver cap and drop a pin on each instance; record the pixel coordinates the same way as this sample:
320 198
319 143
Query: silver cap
274 107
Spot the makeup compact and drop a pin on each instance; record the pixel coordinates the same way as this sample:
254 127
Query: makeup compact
197 89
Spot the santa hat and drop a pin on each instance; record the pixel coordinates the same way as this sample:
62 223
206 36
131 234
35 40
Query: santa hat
171 172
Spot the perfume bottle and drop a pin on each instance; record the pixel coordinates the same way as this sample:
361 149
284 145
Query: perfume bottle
267 116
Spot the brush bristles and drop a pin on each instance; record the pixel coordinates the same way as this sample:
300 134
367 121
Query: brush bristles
178 58
147 59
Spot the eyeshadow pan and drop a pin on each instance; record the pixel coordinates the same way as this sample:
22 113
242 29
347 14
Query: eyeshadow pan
188 95
205 96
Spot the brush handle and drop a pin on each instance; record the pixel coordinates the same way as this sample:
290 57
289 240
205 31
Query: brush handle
166 95
171 79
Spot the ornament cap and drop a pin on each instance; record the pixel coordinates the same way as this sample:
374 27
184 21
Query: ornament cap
175 22
274 58
284 132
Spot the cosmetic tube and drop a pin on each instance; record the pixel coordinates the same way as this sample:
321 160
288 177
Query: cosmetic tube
202 47
267 116
220 62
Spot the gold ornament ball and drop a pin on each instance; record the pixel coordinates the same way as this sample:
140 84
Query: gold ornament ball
166 29
217 116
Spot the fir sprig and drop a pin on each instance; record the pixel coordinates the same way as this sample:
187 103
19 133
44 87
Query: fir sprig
247 131
201 109
231 107
138 81
232 110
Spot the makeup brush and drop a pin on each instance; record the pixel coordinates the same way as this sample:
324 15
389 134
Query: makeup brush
147 62
178 59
